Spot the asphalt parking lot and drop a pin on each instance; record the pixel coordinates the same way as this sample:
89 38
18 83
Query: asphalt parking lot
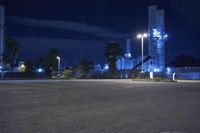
99 106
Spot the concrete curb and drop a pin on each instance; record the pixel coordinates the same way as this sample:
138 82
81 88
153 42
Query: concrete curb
188 81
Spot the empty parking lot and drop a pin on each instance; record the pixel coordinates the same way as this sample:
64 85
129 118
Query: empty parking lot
98 106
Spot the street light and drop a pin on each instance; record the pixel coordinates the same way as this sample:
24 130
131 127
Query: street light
58 58
142 36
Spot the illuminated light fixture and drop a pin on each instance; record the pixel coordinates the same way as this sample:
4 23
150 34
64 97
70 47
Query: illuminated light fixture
156 33
156 70
165 36
40 70
129 55
168 70
22 66
142 36
58 58
139 36
106 67
145 35
1 67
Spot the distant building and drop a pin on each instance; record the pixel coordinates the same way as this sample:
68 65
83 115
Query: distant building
156 39
155 60
126 61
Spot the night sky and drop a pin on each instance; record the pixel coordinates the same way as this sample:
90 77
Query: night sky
81 28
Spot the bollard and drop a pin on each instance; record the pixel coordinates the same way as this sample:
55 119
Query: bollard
173 76
151 75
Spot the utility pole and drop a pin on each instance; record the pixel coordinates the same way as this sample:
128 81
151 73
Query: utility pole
2 19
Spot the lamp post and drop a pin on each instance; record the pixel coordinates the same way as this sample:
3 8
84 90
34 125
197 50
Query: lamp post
58 58
142 36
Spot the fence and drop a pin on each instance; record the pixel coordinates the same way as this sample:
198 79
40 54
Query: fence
188 73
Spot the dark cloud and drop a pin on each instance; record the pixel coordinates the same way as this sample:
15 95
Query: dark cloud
66 25
127 16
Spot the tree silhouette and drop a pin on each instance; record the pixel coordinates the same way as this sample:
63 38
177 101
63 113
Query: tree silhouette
11 50
111 52
29 66
48 61
85 67
185 61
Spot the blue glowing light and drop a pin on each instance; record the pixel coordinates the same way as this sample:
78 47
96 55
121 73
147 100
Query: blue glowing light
165 36
128 55
168 70
156 70
106 67
156 33
1 67
40 70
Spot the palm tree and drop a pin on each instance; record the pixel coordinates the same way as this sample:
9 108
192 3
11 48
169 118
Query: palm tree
111 52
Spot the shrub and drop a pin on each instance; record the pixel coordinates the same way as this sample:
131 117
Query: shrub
67 74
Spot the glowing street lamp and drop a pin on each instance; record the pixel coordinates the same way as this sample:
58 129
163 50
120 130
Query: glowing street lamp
58 58
142 36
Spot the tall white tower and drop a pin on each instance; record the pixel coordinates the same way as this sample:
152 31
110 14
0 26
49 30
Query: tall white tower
128 48
2 20
157 38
